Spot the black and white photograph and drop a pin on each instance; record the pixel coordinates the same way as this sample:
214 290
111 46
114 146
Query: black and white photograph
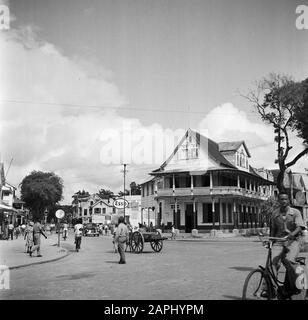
154 151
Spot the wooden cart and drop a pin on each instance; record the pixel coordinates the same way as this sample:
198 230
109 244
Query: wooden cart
137 240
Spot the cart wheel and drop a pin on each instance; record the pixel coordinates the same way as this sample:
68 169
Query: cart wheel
137 242
157 245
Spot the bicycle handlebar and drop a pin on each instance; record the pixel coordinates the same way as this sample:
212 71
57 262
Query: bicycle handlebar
278 239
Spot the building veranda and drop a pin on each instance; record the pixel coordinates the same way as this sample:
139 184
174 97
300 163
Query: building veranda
206 185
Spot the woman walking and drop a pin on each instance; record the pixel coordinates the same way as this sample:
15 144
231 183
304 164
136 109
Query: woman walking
29 237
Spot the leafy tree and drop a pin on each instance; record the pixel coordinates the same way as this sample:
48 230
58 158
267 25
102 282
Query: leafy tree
103 192
41 191
135 188
121 193
280 102
80 194
302 114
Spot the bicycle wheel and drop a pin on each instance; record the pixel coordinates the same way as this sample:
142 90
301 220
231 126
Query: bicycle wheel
257 286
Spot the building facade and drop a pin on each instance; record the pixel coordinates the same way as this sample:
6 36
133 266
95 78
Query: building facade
207 185
94 208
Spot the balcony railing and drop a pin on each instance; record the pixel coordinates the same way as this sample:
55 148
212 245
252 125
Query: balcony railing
207 191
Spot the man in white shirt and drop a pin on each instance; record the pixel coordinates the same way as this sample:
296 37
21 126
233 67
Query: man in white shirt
65 230
78 234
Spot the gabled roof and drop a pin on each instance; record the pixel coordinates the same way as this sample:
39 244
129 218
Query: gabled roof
233 146
206 144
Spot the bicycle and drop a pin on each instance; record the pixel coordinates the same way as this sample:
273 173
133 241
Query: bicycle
263 282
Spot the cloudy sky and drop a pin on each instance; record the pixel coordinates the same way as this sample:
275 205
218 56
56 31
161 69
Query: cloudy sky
82 77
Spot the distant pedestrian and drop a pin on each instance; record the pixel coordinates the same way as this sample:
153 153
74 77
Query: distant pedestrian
23 229
121 237
151 228
115 244
10 231
65 230
37 231
106 229
29 237
17 232
78 234
52 227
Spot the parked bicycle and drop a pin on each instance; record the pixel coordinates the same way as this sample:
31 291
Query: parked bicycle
263 282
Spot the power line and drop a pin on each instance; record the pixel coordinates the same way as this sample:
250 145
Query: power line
165 110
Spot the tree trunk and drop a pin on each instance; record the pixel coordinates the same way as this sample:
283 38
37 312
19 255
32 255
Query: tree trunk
280 179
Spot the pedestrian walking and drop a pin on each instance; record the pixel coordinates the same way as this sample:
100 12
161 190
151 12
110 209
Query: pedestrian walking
10 231
37 231
52 227
29 236
17 232
115 244
23 229
106 229
172 233
65 230
78 234
121 237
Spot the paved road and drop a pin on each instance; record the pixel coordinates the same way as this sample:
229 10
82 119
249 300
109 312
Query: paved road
182 270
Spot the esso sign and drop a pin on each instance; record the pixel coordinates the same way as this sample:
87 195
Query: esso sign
120 203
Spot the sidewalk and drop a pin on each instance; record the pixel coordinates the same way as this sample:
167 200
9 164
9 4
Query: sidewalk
13 252
206 237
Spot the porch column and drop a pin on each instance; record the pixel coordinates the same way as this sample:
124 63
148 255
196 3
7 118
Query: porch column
238 181
220 213
211 180
234 214
175 215
173 185
195 214
192 186
213 212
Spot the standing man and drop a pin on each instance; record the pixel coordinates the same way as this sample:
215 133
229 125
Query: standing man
10 231
78 234
65 230
37 231
121 237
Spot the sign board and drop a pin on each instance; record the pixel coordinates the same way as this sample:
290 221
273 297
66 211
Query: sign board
60 214
120 203
300 198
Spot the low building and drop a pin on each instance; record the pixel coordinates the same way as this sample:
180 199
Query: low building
94 208
207 185
296 185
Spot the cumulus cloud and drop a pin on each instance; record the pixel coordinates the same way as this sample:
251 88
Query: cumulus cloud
41 124
228 123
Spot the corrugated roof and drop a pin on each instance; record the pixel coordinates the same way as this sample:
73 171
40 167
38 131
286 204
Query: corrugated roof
213 151
147 179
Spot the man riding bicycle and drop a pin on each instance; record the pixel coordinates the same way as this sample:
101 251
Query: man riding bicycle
287 223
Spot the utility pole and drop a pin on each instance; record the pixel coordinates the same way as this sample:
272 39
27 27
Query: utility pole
124 172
